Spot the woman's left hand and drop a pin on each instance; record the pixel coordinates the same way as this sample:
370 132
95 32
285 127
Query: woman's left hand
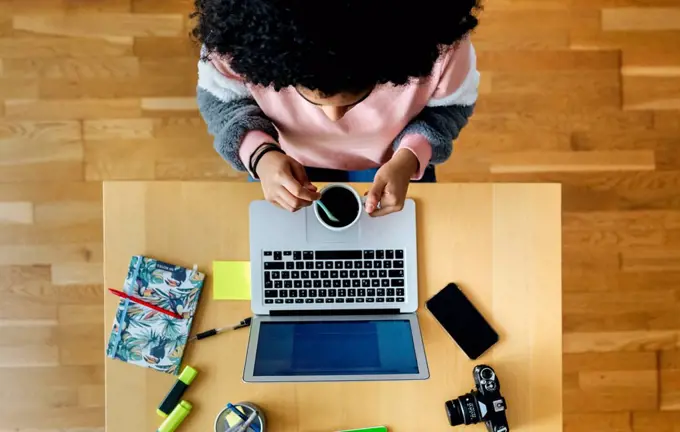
391 184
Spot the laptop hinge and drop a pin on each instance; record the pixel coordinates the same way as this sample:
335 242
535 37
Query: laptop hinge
334 312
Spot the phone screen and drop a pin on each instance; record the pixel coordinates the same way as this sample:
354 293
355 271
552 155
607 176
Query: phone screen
462 321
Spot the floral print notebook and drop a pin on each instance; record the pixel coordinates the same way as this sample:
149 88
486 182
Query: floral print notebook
141 335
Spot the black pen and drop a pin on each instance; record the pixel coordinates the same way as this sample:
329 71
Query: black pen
213 332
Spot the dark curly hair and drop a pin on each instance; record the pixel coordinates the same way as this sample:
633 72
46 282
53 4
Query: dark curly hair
332 46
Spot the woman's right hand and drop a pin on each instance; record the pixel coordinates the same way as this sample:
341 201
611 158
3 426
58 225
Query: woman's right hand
284 182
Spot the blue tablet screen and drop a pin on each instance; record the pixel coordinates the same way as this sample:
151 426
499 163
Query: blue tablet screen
335 348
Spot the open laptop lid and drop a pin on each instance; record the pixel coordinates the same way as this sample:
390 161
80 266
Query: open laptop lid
335 348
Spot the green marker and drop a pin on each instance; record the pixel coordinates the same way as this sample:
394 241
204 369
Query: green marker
175 394
176 417
371 429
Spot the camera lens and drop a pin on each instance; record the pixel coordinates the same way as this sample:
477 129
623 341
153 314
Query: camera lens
464 410
486 374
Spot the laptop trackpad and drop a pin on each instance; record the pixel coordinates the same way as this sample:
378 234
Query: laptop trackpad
317 233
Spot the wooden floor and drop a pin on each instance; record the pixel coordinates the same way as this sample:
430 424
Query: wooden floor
582 92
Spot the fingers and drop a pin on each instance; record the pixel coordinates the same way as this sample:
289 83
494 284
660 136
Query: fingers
290 201
298 190
375 194
387 210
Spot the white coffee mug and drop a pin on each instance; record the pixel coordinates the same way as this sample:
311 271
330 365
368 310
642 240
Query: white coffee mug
356 195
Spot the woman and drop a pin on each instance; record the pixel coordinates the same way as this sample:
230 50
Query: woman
336 90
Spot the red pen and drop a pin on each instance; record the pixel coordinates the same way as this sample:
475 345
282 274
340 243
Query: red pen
147 304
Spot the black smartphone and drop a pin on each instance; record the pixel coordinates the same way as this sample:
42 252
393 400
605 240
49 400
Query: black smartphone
462 321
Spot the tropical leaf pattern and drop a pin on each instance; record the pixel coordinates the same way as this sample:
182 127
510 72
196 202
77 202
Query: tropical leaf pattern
147 338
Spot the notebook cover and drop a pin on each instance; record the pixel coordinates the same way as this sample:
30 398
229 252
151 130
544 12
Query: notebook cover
147 338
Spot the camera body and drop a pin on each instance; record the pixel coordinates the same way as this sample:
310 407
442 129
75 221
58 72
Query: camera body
485 404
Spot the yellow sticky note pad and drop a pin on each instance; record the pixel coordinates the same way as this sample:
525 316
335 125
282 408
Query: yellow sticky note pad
231 280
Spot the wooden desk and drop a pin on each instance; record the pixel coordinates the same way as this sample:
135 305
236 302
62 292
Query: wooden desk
501 243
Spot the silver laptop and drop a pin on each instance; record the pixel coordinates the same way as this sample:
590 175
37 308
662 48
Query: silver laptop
333 306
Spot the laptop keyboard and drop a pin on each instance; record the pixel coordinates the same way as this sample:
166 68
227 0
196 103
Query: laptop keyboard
342 276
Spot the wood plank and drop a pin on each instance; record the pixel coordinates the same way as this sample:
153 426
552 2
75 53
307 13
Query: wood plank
599 422
162 47
547 60
637 340
117 88
669 378
162 6
72 109
16 213
53 47
588 161
77 273
71 68
51 192
50 254
118 129
541 29
651 92
645 19
650 259
654 421
102 25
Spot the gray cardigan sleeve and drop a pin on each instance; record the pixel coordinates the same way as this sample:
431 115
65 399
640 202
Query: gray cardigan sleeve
230 112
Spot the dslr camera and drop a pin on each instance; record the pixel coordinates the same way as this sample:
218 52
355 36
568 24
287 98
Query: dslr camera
485 404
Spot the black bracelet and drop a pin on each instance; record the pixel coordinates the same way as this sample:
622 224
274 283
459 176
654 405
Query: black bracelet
256 153
264 151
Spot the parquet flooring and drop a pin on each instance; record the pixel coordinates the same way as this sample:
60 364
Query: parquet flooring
582 92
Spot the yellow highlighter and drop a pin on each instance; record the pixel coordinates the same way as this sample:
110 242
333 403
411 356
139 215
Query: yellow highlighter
177 391
176 417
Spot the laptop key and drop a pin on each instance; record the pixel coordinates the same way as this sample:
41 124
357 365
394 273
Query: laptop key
370 292
334 274
308 255
383 273
267 253
277 256
397 282
366 283
326 283
361 292
399 254
390 292
322 293
278 284
309 265
387 264
373 273
297 284
398 264
304 274
295 274
269 301
312 293
400 291
390 299
307 284
344 274
342 292
353 274
389 254
318 265
299 300
283 293
348 264
351 292
317 284
380 292
299 265
276 275
368 264
319 300
329 300
369 254
338 264
314 274
384 282
396 273
287 253
267 276
350 300
285 275
380 300
288 284
377 264
370 300
279 301
302 293
375 283
360 300
329 265
292 293
332 293
337 283
339 300
356 283
347 283
338 255
309 300
358 264
290 265
363 274
271 293
270 265
400 299
324 274
379 254
269 284
297 255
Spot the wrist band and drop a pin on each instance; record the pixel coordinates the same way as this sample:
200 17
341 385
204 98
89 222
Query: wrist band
265 150
256 153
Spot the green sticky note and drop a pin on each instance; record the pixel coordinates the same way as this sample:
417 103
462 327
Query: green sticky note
231 280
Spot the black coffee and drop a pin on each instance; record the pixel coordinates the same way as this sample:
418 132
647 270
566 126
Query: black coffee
342 203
